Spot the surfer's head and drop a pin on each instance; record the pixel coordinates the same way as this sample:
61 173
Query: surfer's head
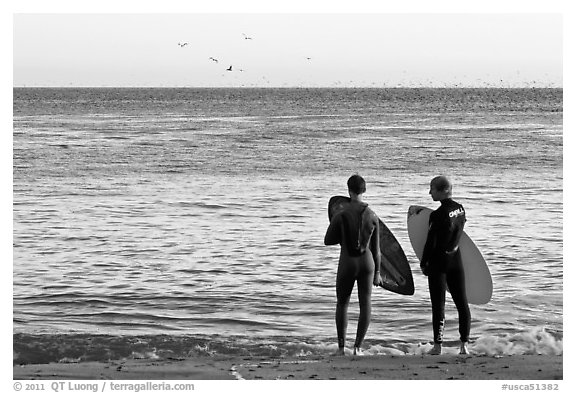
440 188
356 184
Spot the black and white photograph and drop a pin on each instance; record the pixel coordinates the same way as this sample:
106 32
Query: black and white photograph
286 196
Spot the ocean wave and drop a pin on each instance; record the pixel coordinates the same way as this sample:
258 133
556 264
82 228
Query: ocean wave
66 348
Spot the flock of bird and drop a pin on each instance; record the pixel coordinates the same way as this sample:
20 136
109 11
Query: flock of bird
428 83
215 60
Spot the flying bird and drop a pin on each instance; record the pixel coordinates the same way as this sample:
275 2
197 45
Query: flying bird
246 37
182 45
229 68
213 59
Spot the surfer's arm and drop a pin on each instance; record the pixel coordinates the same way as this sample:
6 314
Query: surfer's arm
428 246
375 249
375 243
333 232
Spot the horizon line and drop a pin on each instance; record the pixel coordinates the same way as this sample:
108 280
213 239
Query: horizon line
282 87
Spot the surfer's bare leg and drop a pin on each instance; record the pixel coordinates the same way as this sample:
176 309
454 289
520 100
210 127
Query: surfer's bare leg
365 302
344 286
341 324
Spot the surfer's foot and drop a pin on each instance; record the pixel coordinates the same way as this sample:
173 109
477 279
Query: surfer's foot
464 349
339 352
436 350
358 351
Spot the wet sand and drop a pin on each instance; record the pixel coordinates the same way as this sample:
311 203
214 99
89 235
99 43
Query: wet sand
409 367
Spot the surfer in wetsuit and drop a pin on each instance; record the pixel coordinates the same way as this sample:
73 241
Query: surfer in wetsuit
356 229
442 263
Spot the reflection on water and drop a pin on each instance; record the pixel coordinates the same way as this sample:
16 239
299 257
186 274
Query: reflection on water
178 215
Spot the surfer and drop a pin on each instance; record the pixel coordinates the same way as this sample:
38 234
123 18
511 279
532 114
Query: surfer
356 229
442 263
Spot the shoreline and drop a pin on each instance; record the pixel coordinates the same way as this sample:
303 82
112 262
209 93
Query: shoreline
376 367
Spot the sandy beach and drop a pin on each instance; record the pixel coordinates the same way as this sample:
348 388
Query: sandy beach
444 367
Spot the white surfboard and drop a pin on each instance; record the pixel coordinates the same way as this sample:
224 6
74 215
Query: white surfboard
476 272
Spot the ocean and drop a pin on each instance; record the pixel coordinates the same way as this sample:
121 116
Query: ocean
161 222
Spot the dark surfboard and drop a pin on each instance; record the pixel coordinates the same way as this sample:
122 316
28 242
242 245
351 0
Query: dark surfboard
394 267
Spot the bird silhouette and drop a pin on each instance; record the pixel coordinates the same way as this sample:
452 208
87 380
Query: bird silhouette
182 45
229 68
246 37
213 59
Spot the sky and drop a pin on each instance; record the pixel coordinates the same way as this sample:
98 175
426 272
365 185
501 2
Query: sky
347 49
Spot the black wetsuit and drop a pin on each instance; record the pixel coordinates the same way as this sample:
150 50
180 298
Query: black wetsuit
356 229
442 263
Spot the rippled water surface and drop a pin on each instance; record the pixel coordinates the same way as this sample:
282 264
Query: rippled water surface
203 212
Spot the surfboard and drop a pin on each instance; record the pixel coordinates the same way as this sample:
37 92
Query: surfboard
394 267
476 273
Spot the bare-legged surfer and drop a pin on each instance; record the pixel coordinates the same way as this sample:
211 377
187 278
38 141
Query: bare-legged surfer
356 229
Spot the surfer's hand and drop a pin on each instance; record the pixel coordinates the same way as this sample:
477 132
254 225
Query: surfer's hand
378 280
424 269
